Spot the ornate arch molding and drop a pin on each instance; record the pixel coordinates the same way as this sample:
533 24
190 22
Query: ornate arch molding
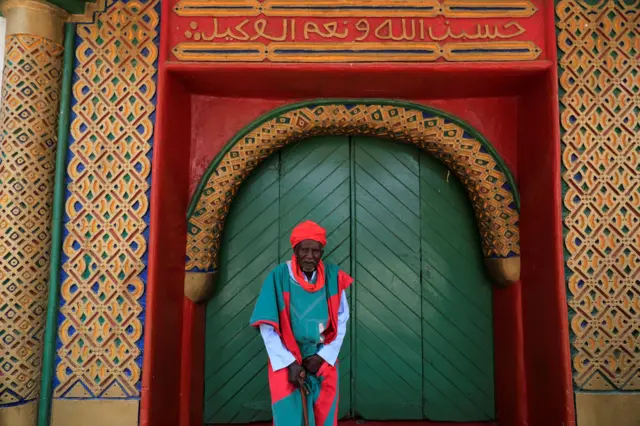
489 184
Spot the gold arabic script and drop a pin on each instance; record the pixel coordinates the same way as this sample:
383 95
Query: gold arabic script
348 30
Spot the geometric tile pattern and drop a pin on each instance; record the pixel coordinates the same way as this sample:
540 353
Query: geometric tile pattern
104 250
28 139
471 160
599 48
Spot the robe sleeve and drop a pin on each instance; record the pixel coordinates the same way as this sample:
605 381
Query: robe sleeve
272 309
330 351
266 310
279 356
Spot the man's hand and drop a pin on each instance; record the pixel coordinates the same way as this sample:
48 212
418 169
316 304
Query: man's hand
313 363
296 374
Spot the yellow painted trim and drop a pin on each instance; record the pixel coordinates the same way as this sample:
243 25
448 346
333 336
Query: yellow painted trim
223 8
90 9
608 409
19 415
484 9
357 8
492 51
503 271
34 17
458 145
357 52
311 52
199 286
95 412
220 52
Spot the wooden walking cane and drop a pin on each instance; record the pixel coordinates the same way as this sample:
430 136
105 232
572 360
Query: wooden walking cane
303 393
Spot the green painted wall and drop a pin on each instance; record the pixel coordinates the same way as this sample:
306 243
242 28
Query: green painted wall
420 343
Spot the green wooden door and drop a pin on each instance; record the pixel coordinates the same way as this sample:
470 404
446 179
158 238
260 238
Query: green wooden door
387 312
457 320
420 343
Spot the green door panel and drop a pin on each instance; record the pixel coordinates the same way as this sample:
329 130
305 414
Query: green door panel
314 185
419 343
388 362
235 368
456 303
309 180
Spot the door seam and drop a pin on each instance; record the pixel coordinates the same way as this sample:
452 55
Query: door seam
352 223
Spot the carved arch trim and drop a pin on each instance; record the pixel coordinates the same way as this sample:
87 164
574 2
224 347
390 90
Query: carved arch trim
488 181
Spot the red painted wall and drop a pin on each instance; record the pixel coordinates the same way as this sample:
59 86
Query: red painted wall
507 121
201 107
215 120
546 322
161 374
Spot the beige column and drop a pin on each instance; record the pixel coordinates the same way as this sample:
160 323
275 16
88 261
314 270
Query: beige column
28 138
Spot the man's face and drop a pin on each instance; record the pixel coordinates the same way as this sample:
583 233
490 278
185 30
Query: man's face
308 254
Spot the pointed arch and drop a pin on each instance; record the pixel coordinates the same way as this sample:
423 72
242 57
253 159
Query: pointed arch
488 182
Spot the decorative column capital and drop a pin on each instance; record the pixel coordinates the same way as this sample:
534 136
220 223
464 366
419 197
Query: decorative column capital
34 17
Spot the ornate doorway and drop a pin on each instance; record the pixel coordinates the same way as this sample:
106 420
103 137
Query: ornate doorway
420 343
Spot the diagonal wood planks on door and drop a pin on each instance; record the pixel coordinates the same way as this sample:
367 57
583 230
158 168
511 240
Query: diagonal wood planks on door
420 343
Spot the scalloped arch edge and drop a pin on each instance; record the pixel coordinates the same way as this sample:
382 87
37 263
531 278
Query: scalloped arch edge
465 151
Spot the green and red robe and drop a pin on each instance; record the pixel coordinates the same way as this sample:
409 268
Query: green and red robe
305 321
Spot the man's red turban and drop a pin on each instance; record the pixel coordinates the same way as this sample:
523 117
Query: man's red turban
308 231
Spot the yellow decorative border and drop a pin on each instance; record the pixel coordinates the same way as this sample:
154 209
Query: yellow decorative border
492 51
221 52
34 18
356 52
473 162
488 9
599 81
358 8
103 283
352 52
354 8
218 8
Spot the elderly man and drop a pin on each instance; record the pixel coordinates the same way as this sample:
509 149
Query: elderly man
302 315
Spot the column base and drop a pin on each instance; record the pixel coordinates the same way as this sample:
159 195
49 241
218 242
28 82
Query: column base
95 412
19 415
608 409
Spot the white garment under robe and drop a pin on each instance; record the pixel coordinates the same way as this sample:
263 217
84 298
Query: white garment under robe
281 357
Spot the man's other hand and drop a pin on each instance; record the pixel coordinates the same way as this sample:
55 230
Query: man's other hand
296 374
313 363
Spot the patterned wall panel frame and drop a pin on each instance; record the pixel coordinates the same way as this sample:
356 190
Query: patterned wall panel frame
465 151
599 49
103 275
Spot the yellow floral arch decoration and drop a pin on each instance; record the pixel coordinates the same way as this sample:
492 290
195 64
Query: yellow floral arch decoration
488 182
